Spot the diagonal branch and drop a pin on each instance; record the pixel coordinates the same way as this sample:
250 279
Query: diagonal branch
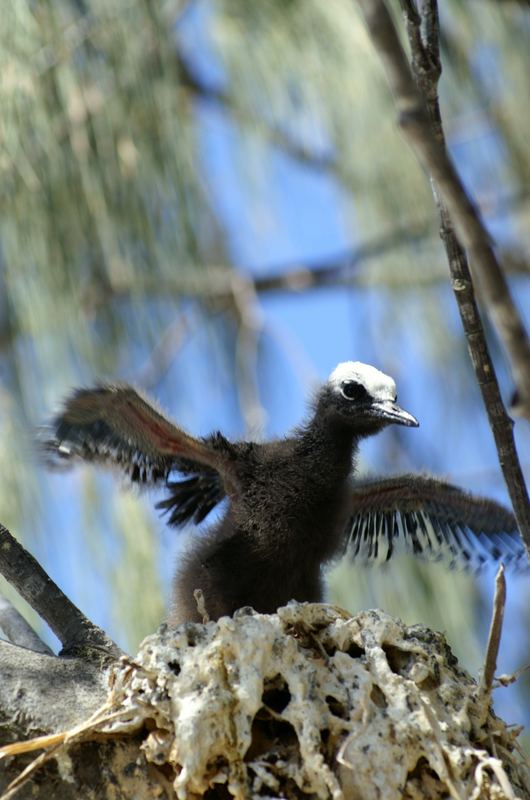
76 633
416 123
422 126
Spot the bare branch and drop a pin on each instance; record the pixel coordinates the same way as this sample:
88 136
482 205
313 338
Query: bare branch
492 649
76 633
18 630
494 637
417 123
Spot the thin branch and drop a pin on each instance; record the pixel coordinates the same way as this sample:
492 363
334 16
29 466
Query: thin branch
343 268
494 637
18 630
507 679
76 633
417 124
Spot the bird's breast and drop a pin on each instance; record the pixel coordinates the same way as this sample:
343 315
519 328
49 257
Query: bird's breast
288 515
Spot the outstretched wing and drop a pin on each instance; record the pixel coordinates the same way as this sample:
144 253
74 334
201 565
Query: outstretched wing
434 520
114 425
192 499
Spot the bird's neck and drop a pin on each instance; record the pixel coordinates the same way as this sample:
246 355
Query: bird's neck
330 443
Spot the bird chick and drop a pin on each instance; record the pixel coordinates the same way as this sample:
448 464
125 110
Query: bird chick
292 503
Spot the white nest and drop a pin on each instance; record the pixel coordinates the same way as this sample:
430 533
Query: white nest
311 701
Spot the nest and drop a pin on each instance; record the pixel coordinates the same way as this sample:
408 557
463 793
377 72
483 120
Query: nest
310 702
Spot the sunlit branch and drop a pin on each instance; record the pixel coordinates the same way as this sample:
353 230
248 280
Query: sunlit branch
494 638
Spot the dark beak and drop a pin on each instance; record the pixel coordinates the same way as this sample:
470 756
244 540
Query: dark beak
387 410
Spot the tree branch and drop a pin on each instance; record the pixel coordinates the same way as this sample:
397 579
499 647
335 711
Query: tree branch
338 269
494 637
415 122
214 282
76 633
453 203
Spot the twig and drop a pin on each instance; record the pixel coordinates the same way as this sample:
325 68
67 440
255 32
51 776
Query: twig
415 122
26 773
76 633
18 630
494 638
449 777
424 130
55 744
507 679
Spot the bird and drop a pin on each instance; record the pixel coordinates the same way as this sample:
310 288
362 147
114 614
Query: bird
293 504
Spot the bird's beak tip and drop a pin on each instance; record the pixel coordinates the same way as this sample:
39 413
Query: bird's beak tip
404 418
394 413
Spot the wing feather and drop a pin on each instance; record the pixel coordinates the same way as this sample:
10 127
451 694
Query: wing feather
114 425
434 520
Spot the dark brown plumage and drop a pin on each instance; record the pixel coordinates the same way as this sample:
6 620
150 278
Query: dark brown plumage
291 503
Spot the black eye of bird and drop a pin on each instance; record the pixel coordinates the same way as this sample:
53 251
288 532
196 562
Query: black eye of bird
352 390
